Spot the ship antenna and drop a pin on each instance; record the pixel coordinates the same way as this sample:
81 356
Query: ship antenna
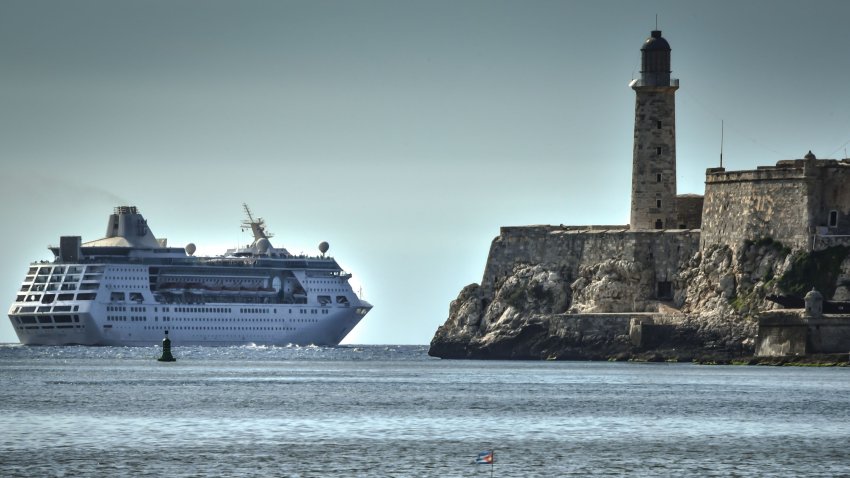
257 226
248 212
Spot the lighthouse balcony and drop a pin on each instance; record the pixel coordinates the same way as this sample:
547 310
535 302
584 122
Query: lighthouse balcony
639 82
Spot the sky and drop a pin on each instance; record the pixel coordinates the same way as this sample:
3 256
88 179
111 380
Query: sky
404 133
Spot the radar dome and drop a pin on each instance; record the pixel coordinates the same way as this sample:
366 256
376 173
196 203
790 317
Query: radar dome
190 248
263 245
323 247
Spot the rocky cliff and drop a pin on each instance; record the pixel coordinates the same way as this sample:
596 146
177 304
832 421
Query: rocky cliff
609 309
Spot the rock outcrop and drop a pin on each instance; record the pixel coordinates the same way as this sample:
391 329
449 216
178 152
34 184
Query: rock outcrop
511 324
604 310
614 285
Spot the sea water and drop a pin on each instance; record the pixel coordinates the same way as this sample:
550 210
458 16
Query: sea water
380 411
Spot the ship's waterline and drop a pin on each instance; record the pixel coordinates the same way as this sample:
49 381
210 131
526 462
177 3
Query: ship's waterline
129 287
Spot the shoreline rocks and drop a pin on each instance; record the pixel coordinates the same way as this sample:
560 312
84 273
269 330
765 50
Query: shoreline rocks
605 310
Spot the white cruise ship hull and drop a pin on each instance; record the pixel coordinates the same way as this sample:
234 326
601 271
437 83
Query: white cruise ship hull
207 324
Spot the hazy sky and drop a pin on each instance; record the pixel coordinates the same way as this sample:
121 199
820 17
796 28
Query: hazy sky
404 133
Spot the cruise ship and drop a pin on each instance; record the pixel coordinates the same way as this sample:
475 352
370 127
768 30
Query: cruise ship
129 288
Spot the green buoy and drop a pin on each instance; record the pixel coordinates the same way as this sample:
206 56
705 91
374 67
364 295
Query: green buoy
166 350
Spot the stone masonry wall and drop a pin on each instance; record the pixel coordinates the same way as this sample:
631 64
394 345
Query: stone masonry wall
689 211
790 203
567 250
768 203
654 158
835 197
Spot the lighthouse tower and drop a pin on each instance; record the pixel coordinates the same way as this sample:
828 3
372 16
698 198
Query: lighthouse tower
654 154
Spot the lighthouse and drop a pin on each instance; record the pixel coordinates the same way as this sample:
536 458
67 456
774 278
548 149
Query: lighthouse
654 153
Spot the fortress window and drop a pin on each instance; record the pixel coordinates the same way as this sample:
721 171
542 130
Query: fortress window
658 203
658 150
658 124
659 224
833 218
658 178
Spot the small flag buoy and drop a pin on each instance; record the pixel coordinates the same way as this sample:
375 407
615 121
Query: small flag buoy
166 350
487 457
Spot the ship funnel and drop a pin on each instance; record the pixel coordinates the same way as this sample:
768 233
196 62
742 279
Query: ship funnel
126 222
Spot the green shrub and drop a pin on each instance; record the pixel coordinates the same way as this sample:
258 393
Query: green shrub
818 269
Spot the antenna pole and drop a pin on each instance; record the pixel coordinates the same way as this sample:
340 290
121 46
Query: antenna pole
248 212
656 21
721 143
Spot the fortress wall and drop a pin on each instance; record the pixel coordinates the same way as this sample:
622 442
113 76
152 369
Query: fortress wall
567 249
643 330
788 203
552 247
689 211
763 203
835 197
668 251
786 332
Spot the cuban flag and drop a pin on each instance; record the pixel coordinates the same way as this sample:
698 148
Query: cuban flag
485 458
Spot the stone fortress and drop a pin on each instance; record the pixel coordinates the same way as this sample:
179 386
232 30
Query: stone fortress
689 275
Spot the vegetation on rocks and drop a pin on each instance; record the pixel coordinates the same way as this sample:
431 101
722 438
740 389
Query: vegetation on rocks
818 269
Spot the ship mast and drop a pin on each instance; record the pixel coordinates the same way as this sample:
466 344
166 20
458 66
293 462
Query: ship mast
257 226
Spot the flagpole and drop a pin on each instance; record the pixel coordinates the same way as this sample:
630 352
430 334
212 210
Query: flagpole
493 462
